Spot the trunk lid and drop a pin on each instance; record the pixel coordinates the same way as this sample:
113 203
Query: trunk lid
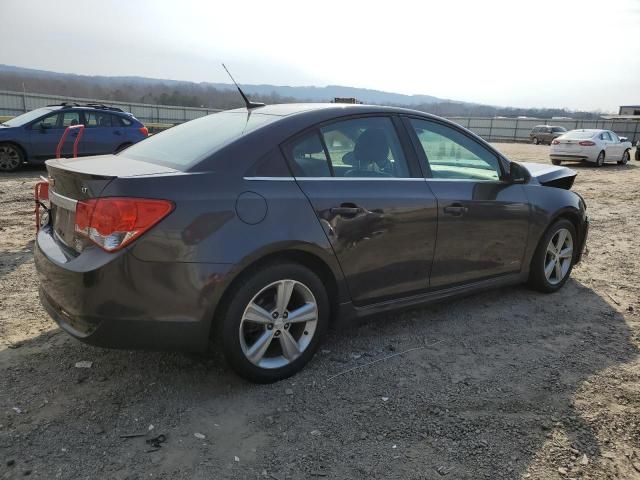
73 180
551 175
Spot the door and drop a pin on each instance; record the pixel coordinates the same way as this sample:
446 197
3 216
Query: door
373 203
483 220
98 137
47 132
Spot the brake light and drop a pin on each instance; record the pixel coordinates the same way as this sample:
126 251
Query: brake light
114 222
144 131
555 142
587 143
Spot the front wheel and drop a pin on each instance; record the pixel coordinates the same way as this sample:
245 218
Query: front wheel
535 140
11 157
625 158
274 322
553 260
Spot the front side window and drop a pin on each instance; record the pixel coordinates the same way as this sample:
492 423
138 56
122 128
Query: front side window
70 119
558 129
365 147
453 155
50 121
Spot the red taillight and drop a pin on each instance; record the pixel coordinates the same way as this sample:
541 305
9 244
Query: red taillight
587 143
144 131
555 142
113 222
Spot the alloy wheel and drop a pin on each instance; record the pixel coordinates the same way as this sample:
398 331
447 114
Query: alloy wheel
9 158
278 324
559 256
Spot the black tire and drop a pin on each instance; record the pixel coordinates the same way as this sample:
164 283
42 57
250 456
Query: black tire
600 159
250 285
626 156
11 157
122 147
534 140
537 277
556 162
638 154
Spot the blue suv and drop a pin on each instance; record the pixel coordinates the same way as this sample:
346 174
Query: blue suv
33 136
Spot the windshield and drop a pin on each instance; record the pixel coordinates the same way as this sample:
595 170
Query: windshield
182 146
27 117
579 134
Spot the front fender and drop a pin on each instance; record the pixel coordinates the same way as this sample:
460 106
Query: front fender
547 205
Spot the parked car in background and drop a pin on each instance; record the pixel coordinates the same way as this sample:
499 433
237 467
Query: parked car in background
545 134
638 150
590 145
33 136
257 229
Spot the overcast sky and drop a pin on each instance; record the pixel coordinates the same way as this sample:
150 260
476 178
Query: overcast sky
544 53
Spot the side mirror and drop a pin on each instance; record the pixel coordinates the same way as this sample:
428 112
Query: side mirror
44 127
623 139
517 173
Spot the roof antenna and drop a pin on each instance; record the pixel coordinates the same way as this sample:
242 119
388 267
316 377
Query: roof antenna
247 102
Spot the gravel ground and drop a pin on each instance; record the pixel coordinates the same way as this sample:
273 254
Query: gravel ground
503 384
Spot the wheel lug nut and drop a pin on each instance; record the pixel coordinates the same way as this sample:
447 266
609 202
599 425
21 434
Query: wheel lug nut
274 314
277 334
286 326
270 326
285 315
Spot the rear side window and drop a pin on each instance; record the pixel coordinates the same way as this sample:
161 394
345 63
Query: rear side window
97 119
119 121
308 157
605 136
365 147
185 145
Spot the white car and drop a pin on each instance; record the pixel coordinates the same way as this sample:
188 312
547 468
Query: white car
590 145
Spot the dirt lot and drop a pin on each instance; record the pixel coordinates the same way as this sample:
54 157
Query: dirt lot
507 384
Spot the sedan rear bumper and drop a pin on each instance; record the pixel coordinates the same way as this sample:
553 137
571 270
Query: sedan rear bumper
568 157
127 303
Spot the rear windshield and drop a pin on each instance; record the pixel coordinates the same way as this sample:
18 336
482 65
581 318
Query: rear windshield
185 145
579 134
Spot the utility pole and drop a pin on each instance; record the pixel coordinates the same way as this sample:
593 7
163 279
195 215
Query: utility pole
24 98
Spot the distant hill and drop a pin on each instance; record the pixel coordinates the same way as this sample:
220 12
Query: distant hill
224 95
11 78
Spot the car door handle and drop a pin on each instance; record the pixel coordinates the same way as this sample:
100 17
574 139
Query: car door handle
346 210
456 210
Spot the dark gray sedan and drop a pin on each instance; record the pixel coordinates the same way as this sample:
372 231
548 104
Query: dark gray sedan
257 229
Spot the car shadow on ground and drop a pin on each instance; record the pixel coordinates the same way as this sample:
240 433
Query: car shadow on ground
485 383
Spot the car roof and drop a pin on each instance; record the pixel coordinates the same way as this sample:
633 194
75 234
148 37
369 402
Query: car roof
339 109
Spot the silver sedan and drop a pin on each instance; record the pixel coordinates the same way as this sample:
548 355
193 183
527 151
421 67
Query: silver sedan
590 145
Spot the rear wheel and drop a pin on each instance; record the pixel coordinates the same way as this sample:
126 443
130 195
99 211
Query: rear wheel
274 322
553 260
556 162
11 157
535 140
600 159
625 158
